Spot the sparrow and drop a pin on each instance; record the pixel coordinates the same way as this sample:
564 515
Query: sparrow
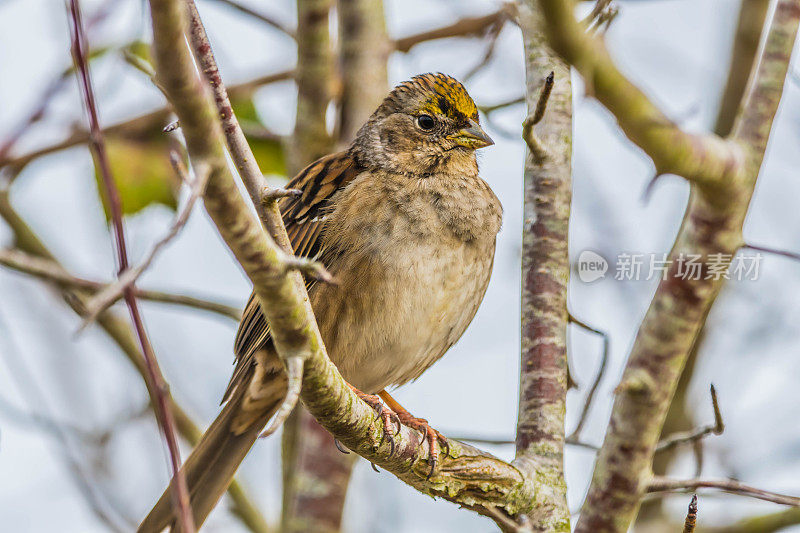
407 227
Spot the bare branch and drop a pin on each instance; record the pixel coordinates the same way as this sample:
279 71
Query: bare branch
465 471
97 144
752 14
692 436
724 173
774 251
587 403
487 109
545 272
121 333
268 20
363 52
40 109
465 27
703 159
139 126
235 139
106 297
53 272
538 151
491 46
278 192
662 484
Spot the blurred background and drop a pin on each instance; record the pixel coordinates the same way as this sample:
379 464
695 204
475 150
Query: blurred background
79 451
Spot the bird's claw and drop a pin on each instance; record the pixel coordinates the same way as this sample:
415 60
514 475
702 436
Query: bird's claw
433 437
387 416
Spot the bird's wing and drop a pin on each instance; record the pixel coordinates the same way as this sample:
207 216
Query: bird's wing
304 217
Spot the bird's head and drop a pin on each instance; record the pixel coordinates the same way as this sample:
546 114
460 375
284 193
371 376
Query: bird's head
428 124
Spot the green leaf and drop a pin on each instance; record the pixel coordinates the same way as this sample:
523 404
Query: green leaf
142 173
268 152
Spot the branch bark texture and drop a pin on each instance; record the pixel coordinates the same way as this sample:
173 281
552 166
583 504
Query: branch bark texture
121 333
723 173
545 275
467 476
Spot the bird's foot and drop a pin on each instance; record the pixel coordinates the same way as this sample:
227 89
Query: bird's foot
390 419
433 437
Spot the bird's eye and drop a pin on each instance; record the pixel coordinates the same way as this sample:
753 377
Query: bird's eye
426 122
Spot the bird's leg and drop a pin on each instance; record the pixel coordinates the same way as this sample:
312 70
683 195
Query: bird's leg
433 437
387 416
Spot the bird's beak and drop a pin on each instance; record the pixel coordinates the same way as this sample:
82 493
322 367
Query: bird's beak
472 137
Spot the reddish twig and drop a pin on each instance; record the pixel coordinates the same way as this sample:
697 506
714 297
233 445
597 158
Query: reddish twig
663 484
50 91
157 385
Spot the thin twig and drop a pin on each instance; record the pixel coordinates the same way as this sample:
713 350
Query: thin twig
239 148
684 437
783 253
572 441
486 109
731 486
494 37
113 292
139 126
587 404
691 516
308 267
51 90
97 143
464 27
53 272
60 431
538 151
271 22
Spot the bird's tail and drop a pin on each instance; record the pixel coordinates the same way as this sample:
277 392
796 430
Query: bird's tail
212 464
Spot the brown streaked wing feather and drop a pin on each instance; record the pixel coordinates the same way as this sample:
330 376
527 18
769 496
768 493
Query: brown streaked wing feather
304 217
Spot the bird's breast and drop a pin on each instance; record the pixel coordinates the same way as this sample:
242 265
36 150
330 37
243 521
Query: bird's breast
408 286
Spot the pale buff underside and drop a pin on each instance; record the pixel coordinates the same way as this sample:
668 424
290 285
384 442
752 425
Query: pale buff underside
408 285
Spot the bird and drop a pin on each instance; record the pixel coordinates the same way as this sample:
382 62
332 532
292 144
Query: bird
406 226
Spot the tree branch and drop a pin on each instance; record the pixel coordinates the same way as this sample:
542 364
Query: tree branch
268 20
121 333
752 14
545 273
725 172
315 473
106 297
137 127
53 272
467 476
693 436
601 371
703 159
364 52
663 484
164 415
465 27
